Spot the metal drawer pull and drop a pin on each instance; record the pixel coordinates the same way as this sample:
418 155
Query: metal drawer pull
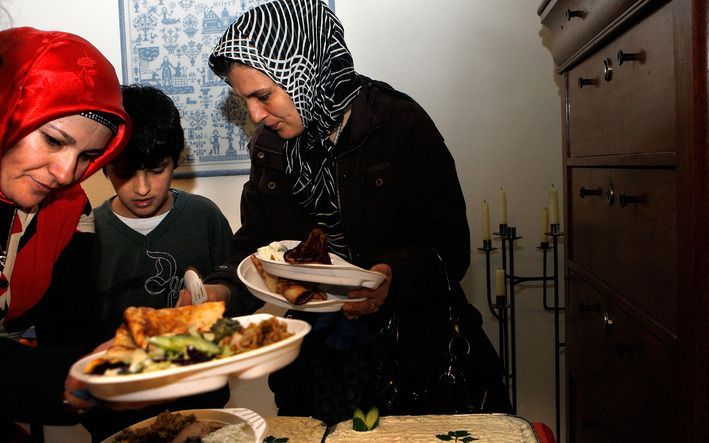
624 199
586 81
584 192
607 69
571 13
610 194
608 322
629 56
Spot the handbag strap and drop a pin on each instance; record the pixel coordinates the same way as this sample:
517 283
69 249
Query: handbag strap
455 323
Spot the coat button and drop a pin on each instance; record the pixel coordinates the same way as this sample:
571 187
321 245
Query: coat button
260 155
271 185
379 182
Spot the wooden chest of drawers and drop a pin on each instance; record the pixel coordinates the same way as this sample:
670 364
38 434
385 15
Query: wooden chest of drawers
636 161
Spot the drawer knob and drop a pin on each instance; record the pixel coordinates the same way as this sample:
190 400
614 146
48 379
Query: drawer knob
624 199
629 56
585 192
586 82
572 13
608 322
607 70
610 194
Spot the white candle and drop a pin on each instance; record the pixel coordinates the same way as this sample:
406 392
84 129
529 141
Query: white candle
500 282
486 220
503 207
553 206
545 223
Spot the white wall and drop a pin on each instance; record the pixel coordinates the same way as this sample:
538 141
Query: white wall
482 71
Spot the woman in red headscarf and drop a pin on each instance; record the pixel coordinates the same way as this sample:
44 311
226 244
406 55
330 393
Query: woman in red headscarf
61 120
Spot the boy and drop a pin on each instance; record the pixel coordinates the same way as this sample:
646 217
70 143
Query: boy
148 234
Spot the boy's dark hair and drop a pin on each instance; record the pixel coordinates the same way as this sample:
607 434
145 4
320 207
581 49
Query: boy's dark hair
157 132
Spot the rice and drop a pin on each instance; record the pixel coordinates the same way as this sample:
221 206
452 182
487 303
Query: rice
231 434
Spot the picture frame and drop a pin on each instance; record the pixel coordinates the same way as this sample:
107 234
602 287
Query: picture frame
166 44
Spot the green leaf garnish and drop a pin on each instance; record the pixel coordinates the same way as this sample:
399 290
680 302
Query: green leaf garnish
457 436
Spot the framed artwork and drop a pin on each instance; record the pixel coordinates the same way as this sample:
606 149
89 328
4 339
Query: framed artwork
166 44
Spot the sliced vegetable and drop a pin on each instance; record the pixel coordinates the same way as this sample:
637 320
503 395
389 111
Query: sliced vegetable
224 327
372 418
358 423
178 344
363 423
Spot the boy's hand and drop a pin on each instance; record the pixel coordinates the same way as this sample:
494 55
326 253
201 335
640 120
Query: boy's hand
214 293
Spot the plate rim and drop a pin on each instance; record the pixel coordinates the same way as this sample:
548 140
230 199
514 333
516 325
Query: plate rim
311 306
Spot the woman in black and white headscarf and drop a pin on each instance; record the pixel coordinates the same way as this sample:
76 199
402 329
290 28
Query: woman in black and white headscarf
365 163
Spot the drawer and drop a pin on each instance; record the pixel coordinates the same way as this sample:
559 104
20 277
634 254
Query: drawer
626 108
629 240
585 423
632 396
573 23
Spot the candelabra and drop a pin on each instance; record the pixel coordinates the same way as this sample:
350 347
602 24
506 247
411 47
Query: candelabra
503 307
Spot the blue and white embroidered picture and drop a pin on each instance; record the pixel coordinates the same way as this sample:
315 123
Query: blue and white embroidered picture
166 44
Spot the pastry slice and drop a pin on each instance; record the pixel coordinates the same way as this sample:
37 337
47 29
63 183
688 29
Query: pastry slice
144 322
295 292
311 250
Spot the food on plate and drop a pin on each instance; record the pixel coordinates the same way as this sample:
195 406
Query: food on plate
311 250
228 434
154 339
144 322
174 427
295 292
273 251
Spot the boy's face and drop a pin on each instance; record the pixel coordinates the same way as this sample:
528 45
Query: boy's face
143 193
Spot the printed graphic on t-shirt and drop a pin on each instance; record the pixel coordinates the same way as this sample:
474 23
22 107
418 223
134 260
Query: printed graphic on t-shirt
166 280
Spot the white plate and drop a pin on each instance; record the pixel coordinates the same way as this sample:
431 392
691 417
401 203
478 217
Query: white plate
254 283
340 272
233 416
200 377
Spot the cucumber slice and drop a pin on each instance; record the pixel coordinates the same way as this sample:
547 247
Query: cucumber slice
372 418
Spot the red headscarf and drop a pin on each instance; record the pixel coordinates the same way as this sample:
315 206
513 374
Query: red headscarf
45 76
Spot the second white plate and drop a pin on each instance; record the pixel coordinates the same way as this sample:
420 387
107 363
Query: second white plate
339 273
254 283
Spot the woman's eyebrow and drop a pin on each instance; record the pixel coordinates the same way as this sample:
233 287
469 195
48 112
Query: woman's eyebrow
67 138
258 92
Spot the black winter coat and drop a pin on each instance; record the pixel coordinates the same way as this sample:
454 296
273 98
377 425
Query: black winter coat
400 203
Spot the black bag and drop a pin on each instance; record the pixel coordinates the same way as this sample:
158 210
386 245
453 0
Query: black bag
465 376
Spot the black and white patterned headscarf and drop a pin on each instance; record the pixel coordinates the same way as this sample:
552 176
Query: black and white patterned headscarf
300 45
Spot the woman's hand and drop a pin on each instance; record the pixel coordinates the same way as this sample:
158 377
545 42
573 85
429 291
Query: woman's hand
76 395
214 293
78 398
374 297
